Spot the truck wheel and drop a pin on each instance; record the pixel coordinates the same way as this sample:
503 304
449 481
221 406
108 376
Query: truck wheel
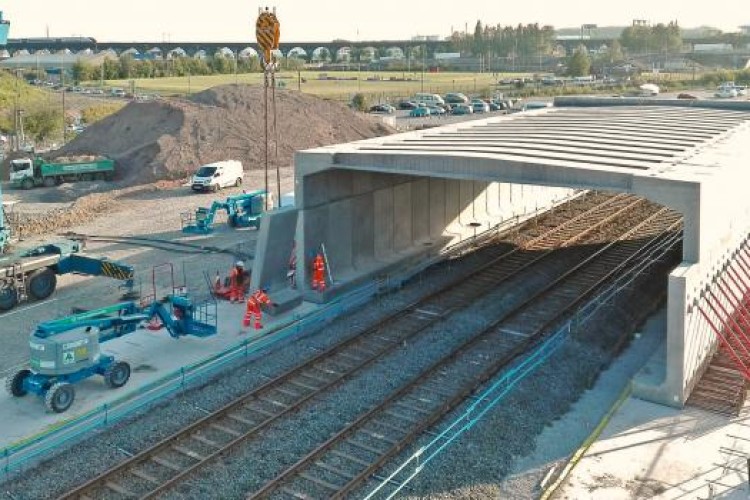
42 283
14 384
238 182
27 183
8 297
59 397
49 182
117 374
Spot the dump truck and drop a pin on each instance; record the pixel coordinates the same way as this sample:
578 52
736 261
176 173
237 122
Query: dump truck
27 173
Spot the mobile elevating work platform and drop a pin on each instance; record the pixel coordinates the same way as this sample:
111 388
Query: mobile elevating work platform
66 351
243 210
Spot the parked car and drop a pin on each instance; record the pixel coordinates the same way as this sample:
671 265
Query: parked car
536 105
462 109
495 106
726 92
685 95
382 108
479 106
456 98
436 110
419 112
407 105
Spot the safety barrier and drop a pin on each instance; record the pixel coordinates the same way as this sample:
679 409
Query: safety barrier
513 375
37 447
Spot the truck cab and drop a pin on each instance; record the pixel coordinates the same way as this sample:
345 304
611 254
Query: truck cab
22 172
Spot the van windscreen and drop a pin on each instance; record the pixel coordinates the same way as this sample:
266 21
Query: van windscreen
205 172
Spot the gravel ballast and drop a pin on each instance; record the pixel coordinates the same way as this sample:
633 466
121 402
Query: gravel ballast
113 445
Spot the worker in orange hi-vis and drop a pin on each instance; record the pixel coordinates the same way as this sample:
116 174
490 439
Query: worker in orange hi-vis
254 304
319 276
237 282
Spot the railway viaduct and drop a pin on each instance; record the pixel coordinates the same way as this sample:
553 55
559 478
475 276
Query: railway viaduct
383 204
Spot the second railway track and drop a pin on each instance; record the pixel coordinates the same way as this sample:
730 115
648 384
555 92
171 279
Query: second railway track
183 453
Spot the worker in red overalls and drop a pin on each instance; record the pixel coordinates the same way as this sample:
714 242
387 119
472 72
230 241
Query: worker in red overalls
318 275
254 304
237 282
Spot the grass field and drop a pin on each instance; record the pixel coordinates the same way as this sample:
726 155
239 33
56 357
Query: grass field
344 88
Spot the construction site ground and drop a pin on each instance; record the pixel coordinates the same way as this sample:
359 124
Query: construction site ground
645 451
611 445
150 210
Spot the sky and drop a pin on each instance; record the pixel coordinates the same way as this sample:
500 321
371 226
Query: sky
325 20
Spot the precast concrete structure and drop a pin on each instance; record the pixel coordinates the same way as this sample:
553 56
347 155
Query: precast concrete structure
378 204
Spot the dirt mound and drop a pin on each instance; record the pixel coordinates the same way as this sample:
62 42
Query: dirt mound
170 139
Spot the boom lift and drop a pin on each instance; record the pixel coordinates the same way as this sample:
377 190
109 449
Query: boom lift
67 351
243 210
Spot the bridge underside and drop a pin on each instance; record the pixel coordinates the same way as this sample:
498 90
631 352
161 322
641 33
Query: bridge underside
381 205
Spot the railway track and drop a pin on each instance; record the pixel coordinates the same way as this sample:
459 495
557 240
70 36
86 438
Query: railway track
347 459
157 469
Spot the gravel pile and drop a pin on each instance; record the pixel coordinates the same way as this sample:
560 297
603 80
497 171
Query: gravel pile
170 139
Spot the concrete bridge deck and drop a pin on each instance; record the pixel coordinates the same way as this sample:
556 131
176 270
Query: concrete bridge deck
396 200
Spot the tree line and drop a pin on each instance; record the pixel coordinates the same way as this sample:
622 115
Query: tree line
126 67
526 43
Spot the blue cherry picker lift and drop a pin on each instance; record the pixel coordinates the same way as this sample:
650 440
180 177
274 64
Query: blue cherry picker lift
243 210
67 350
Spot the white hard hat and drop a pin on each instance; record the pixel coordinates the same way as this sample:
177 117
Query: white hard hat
239 263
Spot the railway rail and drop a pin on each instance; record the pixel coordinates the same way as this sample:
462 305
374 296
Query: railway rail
347 459
180 455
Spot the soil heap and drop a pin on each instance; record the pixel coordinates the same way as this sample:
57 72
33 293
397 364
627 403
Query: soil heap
169 139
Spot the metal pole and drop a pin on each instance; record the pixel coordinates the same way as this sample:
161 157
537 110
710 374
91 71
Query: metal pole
265 115
423 51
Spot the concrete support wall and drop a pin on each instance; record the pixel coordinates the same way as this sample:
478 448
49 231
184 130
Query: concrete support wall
716 223
372 223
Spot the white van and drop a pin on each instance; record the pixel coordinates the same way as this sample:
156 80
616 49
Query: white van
428 99
215 176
